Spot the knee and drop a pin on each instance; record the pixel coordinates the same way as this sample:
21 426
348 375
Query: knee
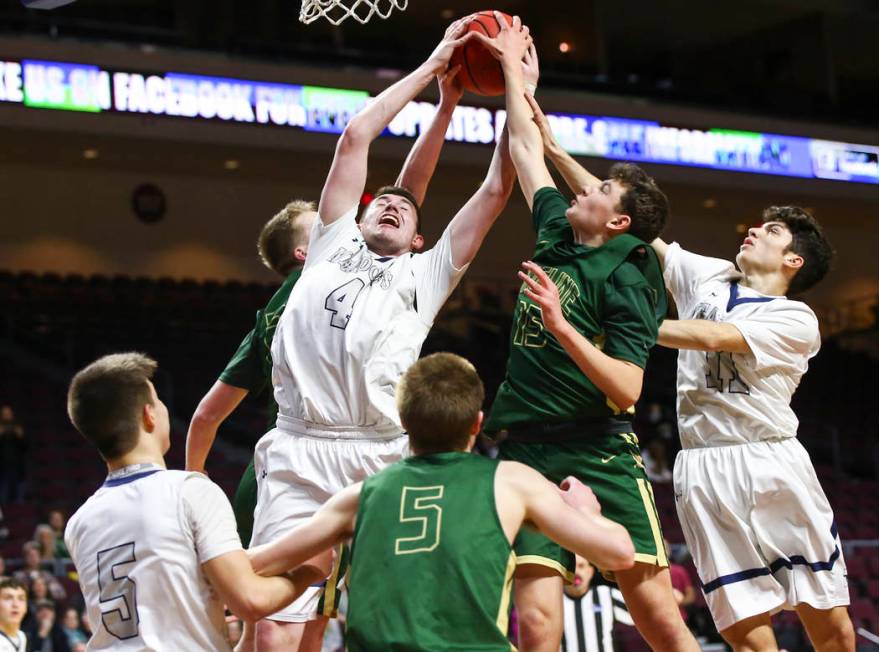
664 629
268 635
537 626
839 636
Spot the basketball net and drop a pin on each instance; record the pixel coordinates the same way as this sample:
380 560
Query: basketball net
336 11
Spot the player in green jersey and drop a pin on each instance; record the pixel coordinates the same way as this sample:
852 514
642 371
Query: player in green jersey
588 314
445 519
283 247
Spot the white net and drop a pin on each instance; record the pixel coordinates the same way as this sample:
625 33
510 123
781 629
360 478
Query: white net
336 11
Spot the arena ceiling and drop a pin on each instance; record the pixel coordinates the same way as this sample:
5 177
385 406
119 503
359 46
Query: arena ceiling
813 59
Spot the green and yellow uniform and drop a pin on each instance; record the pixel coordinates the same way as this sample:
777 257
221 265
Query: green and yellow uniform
251 369
558 421
431 567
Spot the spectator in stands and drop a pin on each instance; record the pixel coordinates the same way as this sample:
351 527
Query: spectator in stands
2 567
13 606
4 531
655 458
13 457
45 537
681 583
70 627
57 521
84 623
45 634
39 590
33 568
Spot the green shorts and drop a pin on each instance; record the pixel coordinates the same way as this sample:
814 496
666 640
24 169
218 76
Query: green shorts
244 504
611 466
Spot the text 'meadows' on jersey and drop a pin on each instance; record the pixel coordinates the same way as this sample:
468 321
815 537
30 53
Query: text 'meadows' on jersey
431 566
734 398
613 295
138 545
353 325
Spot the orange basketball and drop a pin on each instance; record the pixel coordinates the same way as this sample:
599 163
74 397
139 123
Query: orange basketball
480 72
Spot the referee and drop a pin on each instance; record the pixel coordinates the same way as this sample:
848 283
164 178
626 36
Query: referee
590 612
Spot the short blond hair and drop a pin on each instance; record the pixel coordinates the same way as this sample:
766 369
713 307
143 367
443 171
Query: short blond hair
439 399
282 234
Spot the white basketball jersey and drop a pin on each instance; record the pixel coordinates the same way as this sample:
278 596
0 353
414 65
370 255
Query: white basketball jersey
17 643
733 398
353 325
138 551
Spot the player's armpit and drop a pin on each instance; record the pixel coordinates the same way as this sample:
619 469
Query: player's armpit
332 524
250 596
702 335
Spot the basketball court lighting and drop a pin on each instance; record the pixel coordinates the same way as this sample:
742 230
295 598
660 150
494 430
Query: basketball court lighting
90 153
231 164
564 47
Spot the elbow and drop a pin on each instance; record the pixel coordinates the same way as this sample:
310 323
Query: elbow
204 417
248 607
353 137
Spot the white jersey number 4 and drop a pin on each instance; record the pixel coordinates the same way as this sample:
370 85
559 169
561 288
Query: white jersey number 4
341 302
118 591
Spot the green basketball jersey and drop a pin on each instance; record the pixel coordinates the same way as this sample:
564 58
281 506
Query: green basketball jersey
431 568
251 366
613 295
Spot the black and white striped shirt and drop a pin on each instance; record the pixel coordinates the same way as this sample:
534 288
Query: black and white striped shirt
589 619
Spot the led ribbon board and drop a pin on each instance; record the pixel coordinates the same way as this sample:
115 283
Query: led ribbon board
84 87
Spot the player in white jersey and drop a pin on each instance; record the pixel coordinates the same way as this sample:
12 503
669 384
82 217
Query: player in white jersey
755 517
13 607
354 323
157 551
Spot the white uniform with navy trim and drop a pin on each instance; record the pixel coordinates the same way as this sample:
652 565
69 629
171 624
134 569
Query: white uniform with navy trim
756 520
138 545
17 643
353 325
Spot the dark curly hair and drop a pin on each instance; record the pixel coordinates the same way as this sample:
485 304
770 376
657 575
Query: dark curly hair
808 241
643 201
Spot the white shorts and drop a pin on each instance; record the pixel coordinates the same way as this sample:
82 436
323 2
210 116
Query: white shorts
760 529
297 470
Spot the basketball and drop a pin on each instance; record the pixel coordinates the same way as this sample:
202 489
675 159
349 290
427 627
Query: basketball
480 72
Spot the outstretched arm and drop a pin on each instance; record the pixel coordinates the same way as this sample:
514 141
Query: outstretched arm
570 516
347 176
526 147
471 224
250 596
332 524
576 176
421 163
702 335
213 409
619 380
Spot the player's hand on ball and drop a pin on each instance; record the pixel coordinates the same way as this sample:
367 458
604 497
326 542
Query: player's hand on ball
545 294
450 87
512 41
456 35
579 496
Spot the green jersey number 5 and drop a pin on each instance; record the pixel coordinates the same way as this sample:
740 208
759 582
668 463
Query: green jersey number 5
420 513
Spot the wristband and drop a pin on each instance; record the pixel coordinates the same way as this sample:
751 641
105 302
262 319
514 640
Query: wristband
531 87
